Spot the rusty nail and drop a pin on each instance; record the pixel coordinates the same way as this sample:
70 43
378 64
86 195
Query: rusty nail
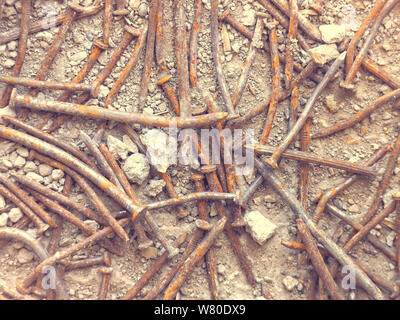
193 42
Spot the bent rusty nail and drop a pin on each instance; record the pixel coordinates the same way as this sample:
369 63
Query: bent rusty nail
273 160
273 44
148 59
351 51
43 24
41 226
378 197
22 46
144 241
309 157
283 21
119 116
52 85
319 234
155 267
106 277
389 5
193 42
358 117
169 92
251 55
94 198
28 201
317 261
129 66
325 197
62 199
8 289
37 248
50 138
193 259
291 41
217 57
181 54
60 255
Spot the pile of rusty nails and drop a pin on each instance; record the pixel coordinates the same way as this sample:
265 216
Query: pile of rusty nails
105 173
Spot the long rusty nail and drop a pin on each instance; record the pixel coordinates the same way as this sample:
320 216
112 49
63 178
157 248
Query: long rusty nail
351 51
291 42
107 21
389 5
283 21
41 226
194 258
210 258
273 44
358 117
396 198
273 160
144 241
22 45
50 138
28 201
130 64
38 249
106 276
44 24
119 116
378 197
319 234
325 197
317 261
53 85
148 59
60 255
181 53
304 167
217 57
160 39
85 263
193 42
157 265
62 199
318 159
251 55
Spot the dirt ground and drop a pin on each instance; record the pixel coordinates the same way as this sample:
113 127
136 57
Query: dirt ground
272 263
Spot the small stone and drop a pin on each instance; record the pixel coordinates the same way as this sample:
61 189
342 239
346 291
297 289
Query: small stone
221 269
290 283
57 174
3 219
30 166
330 103
136 168
155 187
158 148
92 224
259 227
354 208
9 63
118 149
19 162
132 147
2 202
149 253
249 18
24 256
332 33
76 58
45 170
390 238
143 9
35 176
270 198
15 215
324 53
23 152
